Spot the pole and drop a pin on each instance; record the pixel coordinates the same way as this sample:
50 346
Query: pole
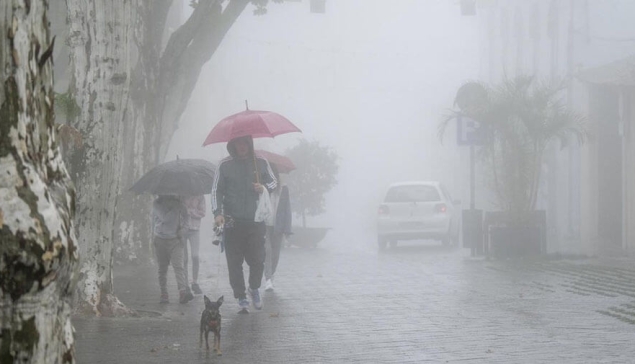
472 178
473 247
572 190
256 167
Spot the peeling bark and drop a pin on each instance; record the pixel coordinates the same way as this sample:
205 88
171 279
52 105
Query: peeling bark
99 39
38 254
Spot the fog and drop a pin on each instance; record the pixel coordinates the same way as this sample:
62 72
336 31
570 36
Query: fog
529 259
370 79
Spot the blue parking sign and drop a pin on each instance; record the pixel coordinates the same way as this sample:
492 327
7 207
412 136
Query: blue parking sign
470 132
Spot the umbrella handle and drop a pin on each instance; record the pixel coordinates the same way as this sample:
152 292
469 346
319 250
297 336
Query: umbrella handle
256 169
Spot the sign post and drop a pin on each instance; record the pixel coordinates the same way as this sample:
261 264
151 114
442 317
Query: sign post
471 133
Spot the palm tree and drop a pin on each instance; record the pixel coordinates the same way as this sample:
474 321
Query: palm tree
522 117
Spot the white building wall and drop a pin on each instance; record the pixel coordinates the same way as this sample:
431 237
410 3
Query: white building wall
553 39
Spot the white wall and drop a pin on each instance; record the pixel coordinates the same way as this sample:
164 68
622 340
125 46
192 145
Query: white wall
553 41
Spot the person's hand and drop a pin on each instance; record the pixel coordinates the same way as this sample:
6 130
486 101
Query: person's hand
220 220
258 188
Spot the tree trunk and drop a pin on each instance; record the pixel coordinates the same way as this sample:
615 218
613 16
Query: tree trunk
162 84
100 32
133 223
38 254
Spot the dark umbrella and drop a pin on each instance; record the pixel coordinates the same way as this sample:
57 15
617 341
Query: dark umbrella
182 177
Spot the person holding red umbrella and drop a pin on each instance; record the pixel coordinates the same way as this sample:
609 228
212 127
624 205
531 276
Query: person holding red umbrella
239 181
239 192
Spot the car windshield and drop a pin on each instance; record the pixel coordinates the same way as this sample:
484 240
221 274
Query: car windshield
413 194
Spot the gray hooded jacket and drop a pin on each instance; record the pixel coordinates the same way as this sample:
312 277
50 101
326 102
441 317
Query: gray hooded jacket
169 217
233 193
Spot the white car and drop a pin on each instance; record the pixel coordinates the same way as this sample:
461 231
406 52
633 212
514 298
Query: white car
417 210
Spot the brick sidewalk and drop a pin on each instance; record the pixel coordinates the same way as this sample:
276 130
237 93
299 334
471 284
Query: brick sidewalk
347 304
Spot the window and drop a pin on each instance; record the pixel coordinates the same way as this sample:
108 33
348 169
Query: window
413 194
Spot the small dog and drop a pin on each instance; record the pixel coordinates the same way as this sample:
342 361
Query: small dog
210 321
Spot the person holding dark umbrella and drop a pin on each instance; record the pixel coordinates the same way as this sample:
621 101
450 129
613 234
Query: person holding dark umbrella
240 180
169 220
173 181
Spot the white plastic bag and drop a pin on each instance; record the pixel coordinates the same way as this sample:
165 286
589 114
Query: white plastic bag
263 211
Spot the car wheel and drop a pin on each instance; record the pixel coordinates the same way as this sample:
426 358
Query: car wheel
381 243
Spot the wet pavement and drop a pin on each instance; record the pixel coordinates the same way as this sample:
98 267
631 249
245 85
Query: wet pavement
345 303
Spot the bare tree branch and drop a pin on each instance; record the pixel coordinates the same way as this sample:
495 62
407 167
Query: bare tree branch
181 39
179 79
159 11
152 16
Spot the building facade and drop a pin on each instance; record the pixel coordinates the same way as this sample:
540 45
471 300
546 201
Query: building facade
586 190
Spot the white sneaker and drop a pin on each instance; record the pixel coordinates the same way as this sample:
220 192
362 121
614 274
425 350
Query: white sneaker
269 285
255 298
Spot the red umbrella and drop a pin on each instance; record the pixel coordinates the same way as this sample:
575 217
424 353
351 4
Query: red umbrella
282 163
258 124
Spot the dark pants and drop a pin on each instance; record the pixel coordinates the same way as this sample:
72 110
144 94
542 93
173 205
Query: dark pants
245 241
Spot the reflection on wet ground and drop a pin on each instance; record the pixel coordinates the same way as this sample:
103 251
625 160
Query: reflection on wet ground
420 301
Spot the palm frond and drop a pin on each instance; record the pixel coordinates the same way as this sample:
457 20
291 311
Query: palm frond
523 115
